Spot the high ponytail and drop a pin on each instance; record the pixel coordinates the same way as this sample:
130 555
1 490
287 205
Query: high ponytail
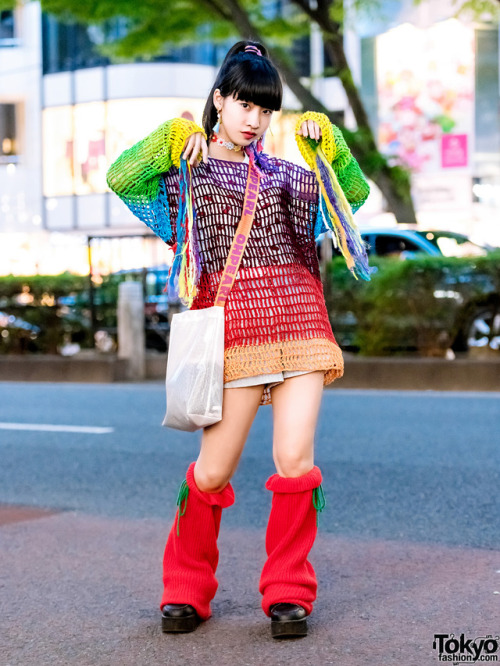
249 77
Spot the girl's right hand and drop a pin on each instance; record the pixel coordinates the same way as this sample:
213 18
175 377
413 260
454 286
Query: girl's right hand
195 144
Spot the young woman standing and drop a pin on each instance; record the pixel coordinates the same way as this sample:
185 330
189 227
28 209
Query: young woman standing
279 347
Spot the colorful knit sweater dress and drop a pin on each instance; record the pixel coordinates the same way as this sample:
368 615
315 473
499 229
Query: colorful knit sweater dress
275 316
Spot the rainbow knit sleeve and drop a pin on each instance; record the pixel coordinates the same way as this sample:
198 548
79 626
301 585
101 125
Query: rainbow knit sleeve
136 176
343 188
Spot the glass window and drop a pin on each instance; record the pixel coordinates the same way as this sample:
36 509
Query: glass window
8 132
58 151
487 119
6 25
301 54
454 245
81 141
89 155
330 66
129 120
388 245
74 149
67 47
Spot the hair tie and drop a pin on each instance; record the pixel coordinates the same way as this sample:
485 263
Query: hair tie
252 49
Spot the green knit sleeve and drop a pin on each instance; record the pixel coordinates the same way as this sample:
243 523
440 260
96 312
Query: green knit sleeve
343 189
351 178
136 176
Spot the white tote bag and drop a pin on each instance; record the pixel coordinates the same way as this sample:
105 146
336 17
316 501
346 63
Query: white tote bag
195 369
195 365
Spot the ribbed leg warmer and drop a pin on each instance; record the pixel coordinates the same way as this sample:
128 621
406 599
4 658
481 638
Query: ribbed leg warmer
287 575
191 554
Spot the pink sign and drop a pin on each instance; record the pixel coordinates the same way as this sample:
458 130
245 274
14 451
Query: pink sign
454 150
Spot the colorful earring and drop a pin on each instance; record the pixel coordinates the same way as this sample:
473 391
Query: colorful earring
218 123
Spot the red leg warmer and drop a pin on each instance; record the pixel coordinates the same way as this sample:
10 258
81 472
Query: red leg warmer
191 554
287 575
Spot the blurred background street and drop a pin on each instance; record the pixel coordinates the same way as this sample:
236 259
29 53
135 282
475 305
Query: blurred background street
414 87
408 543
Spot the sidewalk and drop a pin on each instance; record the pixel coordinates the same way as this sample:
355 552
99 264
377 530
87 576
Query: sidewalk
84 591
397 373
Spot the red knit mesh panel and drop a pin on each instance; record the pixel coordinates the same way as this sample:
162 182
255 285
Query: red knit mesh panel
275 316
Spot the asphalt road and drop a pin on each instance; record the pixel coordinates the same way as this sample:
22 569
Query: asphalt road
408 544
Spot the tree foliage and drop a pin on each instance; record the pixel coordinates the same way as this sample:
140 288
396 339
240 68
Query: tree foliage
152 26
475 9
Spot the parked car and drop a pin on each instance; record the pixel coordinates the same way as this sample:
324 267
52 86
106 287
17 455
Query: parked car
405 241
16 334
408 242
472 296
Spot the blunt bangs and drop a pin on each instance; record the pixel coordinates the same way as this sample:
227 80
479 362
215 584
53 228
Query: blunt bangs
254 79
249 78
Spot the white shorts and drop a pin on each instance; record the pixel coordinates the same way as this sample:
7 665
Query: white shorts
269 380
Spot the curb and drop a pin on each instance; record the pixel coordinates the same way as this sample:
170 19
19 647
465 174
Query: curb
53 368
395 373
437 374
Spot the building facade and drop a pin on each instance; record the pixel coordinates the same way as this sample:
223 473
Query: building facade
85 112
429 82
431 85
20 137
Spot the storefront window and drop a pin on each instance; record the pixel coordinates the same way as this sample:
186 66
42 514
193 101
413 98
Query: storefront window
426 96
129 120
8 133
89 153
58 151
81 141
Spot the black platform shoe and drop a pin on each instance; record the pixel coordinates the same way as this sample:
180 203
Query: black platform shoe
179 618
288 620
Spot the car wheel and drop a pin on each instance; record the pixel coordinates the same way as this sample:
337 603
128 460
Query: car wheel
483 331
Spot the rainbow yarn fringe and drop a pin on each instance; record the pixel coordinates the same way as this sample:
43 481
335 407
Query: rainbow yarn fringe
333 205
186 267
258 158
338 216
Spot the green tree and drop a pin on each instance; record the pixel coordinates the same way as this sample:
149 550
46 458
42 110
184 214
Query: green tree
153 25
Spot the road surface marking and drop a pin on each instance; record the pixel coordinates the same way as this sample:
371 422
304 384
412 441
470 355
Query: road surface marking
43 427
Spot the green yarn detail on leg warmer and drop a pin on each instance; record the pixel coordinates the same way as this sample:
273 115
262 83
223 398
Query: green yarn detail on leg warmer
319 501
182 497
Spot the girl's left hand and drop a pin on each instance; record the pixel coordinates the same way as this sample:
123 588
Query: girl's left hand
310 128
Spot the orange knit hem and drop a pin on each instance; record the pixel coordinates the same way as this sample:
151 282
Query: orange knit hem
312 354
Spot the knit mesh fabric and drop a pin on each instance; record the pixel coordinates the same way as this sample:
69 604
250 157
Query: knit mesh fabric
275 316
136 175
337 152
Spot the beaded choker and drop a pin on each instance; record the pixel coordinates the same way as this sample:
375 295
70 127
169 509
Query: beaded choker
226 144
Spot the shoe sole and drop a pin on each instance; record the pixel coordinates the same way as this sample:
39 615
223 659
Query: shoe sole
179 625
288 628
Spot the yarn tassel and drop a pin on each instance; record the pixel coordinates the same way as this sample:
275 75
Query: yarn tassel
195 248
259 159
185 270
338 217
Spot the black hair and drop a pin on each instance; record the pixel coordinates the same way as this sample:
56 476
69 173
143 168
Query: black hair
247 76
